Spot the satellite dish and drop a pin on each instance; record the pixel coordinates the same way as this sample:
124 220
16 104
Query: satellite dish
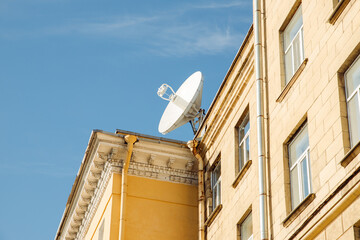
184 105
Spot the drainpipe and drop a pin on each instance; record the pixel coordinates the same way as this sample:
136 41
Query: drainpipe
192 144
260 120
130 140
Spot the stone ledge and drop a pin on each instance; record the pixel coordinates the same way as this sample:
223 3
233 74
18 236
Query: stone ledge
296 212
241 174
337 11
351 155
292 81
213 215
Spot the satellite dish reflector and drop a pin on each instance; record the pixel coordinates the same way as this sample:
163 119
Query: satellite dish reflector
184 104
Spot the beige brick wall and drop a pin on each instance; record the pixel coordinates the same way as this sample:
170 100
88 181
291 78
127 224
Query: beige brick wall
316 95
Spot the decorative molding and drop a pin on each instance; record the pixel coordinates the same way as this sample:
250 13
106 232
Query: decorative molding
110 168
102 156
162 173
189 165
135 169
100 170
151 159
171 162
95 175
133 157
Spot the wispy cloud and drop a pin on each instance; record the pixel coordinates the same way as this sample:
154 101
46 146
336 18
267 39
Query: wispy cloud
216 5
107 25
168 32
162 38
195 39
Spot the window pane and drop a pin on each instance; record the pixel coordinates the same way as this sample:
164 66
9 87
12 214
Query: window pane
302 44
215 184
241 156
352 77
288 65
247 125
244 128
298 146
219 193
247 149
305 178
244 146
216 173
215 193
354 119
241 133
293 27
246 228
294 183
297 53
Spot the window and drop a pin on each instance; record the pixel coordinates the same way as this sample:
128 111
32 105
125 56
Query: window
101 230
339 7
336 2
357 231
299 158
352 85
293 45
216 185
244 142
245 228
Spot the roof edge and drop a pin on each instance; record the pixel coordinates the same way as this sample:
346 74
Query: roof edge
245 41
76 183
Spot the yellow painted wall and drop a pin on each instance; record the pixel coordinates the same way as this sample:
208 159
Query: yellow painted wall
154 210
160 210
108 210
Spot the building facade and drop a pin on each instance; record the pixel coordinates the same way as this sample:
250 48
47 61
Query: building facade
309 85
132 186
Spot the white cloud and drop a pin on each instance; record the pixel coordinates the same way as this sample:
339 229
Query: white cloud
115 24
163 35
217 5
194 40
171 32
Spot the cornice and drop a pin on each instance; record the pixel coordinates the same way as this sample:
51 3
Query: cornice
110 168
135 169
154 162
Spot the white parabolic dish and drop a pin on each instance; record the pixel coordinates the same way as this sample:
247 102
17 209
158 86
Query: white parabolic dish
184 106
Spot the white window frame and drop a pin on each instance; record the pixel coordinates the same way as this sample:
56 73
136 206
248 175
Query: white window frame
348 98
216 186
300 32
302 57
242 141
305 156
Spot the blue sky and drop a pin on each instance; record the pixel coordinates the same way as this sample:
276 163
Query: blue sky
68 67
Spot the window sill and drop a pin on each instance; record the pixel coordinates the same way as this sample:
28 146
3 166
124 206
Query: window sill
292 81
350 155
337 11
296 212
241 174
213 215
